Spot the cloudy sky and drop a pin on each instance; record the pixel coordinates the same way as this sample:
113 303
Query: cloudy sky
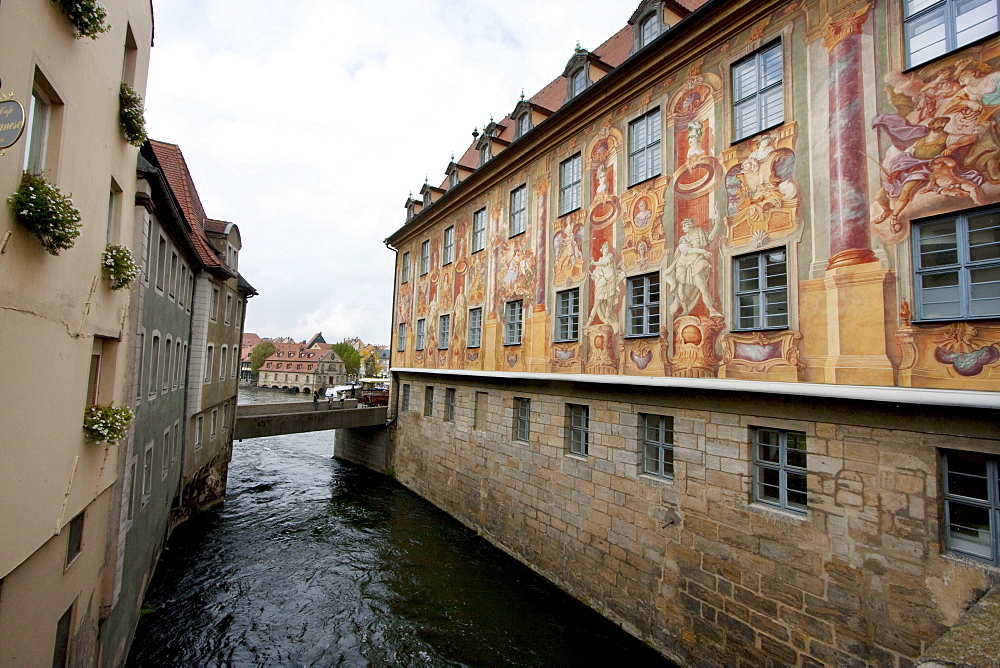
308 122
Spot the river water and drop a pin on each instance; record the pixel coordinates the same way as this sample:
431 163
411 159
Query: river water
313 561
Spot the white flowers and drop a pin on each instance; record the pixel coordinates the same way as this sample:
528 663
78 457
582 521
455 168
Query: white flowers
107 423
119 266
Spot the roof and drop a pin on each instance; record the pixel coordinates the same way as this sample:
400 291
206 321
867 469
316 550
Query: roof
613 52
178 177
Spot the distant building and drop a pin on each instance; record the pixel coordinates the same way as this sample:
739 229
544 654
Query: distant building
248 343
310 366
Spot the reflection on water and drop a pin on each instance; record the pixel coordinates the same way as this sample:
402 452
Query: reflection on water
318 562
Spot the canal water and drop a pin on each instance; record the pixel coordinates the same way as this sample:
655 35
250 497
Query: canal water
313 561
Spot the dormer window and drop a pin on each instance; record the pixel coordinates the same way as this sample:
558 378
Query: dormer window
453 179
484 154
578 82
649 29
523 124
427 198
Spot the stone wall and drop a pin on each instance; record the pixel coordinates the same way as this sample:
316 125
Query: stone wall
693 565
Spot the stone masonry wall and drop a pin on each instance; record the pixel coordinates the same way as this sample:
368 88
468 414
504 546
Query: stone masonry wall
694 566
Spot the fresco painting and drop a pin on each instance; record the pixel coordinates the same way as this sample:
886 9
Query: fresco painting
941 143
938 151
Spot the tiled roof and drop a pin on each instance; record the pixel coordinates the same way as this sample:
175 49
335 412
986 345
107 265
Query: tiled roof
216 226
178 177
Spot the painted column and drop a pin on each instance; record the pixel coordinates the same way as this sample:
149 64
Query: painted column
850 243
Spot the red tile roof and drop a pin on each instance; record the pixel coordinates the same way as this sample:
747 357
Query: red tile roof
178 176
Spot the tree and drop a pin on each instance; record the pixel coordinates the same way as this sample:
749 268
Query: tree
349 356
260 352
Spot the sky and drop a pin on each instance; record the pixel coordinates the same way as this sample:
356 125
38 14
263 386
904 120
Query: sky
308 123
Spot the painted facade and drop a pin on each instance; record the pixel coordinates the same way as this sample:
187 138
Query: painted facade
766 223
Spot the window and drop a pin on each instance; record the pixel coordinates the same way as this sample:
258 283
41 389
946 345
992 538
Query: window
36 132
482 406
214 423
182 285
428 401
453 179
972 504
406 397
154 364
444 331
578 81
578 433
779 468
522 418
513 319
644 305
568 315
93 379
934 28
139 388
114 213
757 95
229 307
130 494
199 429
75 543
401 337
484 154
225 417
420 333
427 198
475 327
168 365
649 29
165 453
449 404
404 272
213 313
517 208
223 363
175 453
479 230
161 264
523 124
449 246
172 278
425 257
184 354
657 445
957 264
209 363
64 630
644 147
569 188
762 290
147 473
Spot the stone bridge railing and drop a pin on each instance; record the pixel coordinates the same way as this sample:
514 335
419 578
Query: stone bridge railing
256 420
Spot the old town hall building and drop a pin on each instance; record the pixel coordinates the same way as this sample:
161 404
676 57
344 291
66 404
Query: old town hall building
707 331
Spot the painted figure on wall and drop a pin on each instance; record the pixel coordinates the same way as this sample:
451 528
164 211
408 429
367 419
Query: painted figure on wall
568 250
688 274
943 141
762 196
608 277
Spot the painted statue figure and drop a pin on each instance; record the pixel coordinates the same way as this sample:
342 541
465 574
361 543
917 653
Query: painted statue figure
687 275
607 276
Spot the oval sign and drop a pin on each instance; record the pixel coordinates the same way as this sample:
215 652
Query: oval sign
11 123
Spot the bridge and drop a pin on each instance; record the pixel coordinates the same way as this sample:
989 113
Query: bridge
256 420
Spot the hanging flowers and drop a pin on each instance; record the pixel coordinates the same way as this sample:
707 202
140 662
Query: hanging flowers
89 17
131 116
45 211
107 423
119 266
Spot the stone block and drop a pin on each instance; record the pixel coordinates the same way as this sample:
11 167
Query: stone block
777 652
722 448
751 600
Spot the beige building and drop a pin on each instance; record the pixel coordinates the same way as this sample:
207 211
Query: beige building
58 489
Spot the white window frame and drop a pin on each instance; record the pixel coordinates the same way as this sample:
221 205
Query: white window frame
568 315
578 429
475 338
759 93
513 333
643 310
425 257
444 331
644 154
405 269
479 230
971 257
570 184
656 433
522 419
421 333
448 247
401 337
944 14
518 210
767 299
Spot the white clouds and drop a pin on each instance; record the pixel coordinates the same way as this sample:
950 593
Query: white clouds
307 122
